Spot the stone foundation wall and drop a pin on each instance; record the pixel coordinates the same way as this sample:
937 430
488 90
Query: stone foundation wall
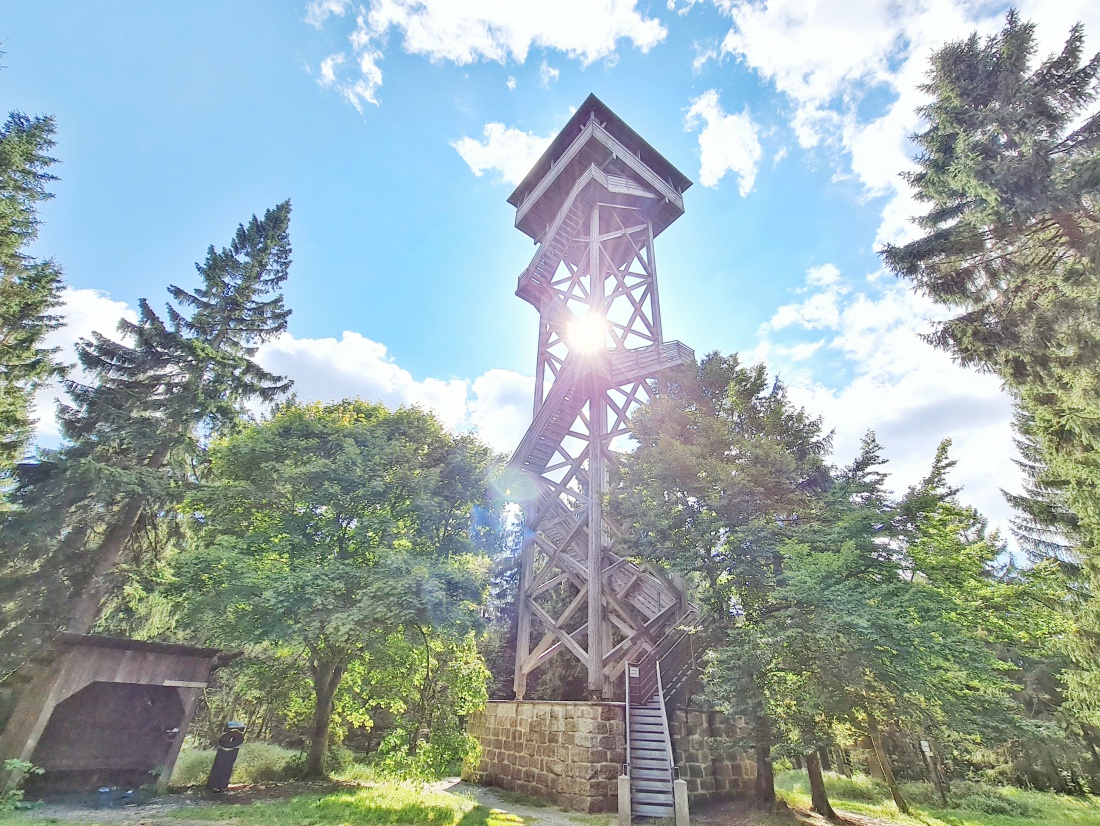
569 753
702 745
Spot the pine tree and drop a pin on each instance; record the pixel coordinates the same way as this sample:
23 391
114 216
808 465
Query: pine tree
137 433
29 289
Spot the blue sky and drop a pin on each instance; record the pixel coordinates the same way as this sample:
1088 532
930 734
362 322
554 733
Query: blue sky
398 128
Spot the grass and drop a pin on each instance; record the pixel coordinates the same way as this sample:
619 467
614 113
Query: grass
256 763
973 805
407 804
389 805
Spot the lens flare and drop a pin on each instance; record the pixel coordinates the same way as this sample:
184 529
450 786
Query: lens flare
588 334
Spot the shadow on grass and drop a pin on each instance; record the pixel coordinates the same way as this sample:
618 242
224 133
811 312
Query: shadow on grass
389 805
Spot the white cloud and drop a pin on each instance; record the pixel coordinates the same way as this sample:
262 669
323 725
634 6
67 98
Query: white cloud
497 403
872 371
548 74
511 84
830 57
704 53
511 152
85 312
466 31
318 11
727 143
328 68
501 407
822 276
821 311
326 369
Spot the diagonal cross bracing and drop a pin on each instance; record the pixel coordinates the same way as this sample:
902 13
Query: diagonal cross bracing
593 204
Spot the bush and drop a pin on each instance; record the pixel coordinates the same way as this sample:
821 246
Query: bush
976 797
256 763
856 787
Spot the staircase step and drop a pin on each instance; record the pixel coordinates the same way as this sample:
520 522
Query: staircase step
657 786
640 763
649 810
638 773
652 797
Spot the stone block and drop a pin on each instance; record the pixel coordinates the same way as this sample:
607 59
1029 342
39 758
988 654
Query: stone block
528 776
695 770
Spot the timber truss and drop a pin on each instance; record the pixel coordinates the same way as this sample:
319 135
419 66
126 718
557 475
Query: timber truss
594 203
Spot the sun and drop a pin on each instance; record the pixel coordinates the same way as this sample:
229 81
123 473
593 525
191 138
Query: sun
587 335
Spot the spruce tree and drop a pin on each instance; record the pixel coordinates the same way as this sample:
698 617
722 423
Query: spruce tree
29 289
136 434
1010 168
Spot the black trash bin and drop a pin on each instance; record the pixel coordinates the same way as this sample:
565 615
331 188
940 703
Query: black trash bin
226 756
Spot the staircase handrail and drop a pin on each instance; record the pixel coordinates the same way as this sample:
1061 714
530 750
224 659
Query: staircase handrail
664 726
626 771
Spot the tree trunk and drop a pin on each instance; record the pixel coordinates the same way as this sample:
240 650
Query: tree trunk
765 772
818 796
797 760
326 679
884 764
932 762
823 756
84 616
842 762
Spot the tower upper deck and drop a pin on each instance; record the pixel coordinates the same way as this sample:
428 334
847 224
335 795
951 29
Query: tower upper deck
596 137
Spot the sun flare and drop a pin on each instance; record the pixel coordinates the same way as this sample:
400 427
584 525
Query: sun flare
588 334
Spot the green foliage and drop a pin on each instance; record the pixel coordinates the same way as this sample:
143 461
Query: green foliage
17 772
256 763
135 437
29 289
344 530
832 607
1010 169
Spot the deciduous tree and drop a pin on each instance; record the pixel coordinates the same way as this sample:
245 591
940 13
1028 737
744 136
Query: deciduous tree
332 528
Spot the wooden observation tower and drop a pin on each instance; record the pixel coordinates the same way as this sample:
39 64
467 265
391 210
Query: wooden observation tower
594 202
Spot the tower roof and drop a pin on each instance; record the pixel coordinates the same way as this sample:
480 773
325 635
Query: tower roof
549 180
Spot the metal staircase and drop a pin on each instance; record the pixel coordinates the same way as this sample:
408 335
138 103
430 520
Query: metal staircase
653 685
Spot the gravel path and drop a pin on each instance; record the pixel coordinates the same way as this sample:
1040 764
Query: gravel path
538 815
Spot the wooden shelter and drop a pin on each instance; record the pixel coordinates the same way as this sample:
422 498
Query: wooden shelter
594 203
94 711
